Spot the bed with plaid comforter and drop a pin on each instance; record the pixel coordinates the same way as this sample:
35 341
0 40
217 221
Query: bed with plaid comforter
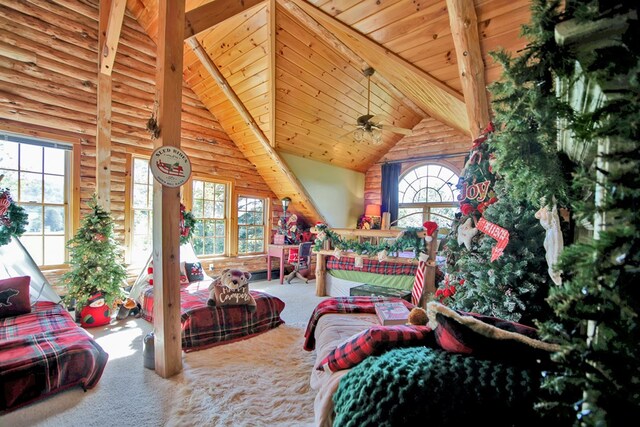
45 352
204 326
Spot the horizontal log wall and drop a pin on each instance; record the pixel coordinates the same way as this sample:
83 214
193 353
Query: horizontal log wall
48 80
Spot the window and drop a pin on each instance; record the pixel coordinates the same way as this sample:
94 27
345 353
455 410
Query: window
142 211
427 193
250 225
37 174
210 209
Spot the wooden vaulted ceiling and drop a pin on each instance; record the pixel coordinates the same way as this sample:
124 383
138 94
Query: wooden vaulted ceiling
297 68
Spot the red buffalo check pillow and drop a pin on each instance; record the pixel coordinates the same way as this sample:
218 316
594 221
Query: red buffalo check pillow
374 341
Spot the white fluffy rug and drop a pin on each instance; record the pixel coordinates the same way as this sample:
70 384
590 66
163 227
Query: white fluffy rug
256 382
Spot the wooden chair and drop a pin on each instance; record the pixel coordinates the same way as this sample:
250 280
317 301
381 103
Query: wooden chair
301 260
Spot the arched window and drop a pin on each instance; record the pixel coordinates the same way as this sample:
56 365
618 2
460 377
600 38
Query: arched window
427 193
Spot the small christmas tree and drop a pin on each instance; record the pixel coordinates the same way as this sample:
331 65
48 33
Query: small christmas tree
495 256
96 260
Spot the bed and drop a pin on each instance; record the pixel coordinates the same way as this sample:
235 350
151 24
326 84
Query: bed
204 326
44 352
335 276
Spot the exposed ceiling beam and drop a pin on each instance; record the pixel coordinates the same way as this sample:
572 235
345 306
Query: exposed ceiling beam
213 13
112 35
271 13
434 97
347 53
464 29
299 195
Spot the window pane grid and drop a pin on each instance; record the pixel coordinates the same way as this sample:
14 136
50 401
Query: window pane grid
209 207
427 193
36 176
250 225
142 211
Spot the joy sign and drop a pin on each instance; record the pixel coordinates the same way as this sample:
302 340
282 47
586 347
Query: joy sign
474 192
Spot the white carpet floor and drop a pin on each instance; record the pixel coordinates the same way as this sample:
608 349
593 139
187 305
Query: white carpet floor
256 382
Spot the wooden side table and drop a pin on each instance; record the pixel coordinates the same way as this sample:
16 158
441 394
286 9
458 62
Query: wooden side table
279 252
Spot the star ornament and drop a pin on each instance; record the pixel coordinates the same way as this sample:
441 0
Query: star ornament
466 231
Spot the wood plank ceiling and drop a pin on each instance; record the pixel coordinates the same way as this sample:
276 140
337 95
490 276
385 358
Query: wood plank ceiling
305 89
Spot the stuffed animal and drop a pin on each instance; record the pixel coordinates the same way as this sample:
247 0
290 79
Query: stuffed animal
417 316
231 288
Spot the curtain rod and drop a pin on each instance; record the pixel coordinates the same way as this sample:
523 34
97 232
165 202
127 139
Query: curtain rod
417 159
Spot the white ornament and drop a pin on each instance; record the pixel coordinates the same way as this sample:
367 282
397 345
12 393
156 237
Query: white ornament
428 239
553 242
382 255
337 253
466 232
358 262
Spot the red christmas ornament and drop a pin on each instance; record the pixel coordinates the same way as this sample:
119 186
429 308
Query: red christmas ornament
466 209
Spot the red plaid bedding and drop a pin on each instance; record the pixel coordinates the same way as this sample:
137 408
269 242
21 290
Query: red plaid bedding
204 326
370 265
353 304
374 341
44 352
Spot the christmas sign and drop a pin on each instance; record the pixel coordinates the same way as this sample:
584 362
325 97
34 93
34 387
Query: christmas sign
474 192
498 233
170 166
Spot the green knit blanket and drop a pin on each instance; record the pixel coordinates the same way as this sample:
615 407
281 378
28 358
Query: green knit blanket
431 387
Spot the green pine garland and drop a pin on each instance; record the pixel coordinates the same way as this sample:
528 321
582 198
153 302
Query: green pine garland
408 239
14 221
598 381
96 260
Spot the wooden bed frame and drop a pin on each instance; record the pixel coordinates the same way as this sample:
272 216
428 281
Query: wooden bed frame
374 236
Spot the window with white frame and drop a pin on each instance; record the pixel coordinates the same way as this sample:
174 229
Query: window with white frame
251 224
141 211
427 193
210 210
37 175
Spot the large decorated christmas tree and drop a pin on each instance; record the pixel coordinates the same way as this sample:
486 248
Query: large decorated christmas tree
96 265
495 255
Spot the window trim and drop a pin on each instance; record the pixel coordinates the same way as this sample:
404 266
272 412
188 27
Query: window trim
129 208
69 150
188 199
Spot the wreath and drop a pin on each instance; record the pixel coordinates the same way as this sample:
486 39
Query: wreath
187 222
13 218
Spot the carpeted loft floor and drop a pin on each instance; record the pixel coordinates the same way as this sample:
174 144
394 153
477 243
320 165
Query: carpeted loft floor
262 381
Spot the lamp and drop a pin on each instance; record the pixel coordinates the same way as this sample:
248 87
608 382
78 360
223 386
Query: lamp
373 211
285 204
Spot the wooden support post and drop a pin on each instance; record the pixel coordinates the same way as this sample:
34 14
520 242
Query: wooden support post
213 13
271 13
109 47
321 270
464 29
166 200
103 131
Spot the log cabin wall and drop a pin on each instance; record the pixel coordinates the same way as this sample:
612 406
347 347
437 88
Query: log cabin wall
48 80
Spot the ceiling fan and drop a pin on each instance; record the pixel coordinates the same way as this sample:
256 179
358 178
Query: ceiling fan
368 126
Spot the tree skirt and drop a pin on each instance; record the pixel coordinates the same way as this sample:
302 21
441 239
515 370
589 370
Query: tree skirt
261 381
424 386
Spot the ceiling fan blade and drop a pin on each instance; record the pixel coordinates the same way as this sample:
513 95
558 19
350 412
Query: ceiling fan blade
395 129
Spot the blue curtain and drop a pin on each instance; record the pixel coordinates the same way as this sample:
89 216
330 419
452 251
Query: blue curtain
390 177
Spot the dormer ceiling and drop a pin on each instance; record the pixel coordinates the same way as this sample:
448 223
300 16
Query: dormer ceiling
299 70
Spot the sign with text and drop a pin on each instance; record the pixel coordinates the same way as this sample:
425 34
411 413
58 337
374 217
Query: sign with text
498 233
170 166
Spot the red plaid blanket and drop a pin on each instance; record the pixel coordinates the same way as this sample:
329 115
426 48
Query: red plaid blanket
204 326
370 265
44 352
353 304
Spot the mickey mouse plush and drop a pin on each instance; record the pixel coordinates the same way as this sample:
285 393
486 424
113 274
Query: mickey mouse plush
231 288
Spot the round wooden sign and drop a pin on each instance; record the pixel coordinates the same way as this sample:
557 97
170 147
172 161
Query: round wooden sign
170 166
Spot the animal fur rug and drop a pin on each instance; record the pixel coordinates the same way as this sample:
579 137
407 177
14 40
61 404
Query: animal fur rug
262 381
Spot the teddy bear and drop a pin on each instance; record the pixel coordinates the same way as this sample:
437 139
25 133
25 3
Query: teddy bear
231 288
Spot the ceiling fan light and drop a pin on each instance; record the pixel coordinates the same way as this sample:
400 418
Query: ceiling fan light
376 136
358 135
